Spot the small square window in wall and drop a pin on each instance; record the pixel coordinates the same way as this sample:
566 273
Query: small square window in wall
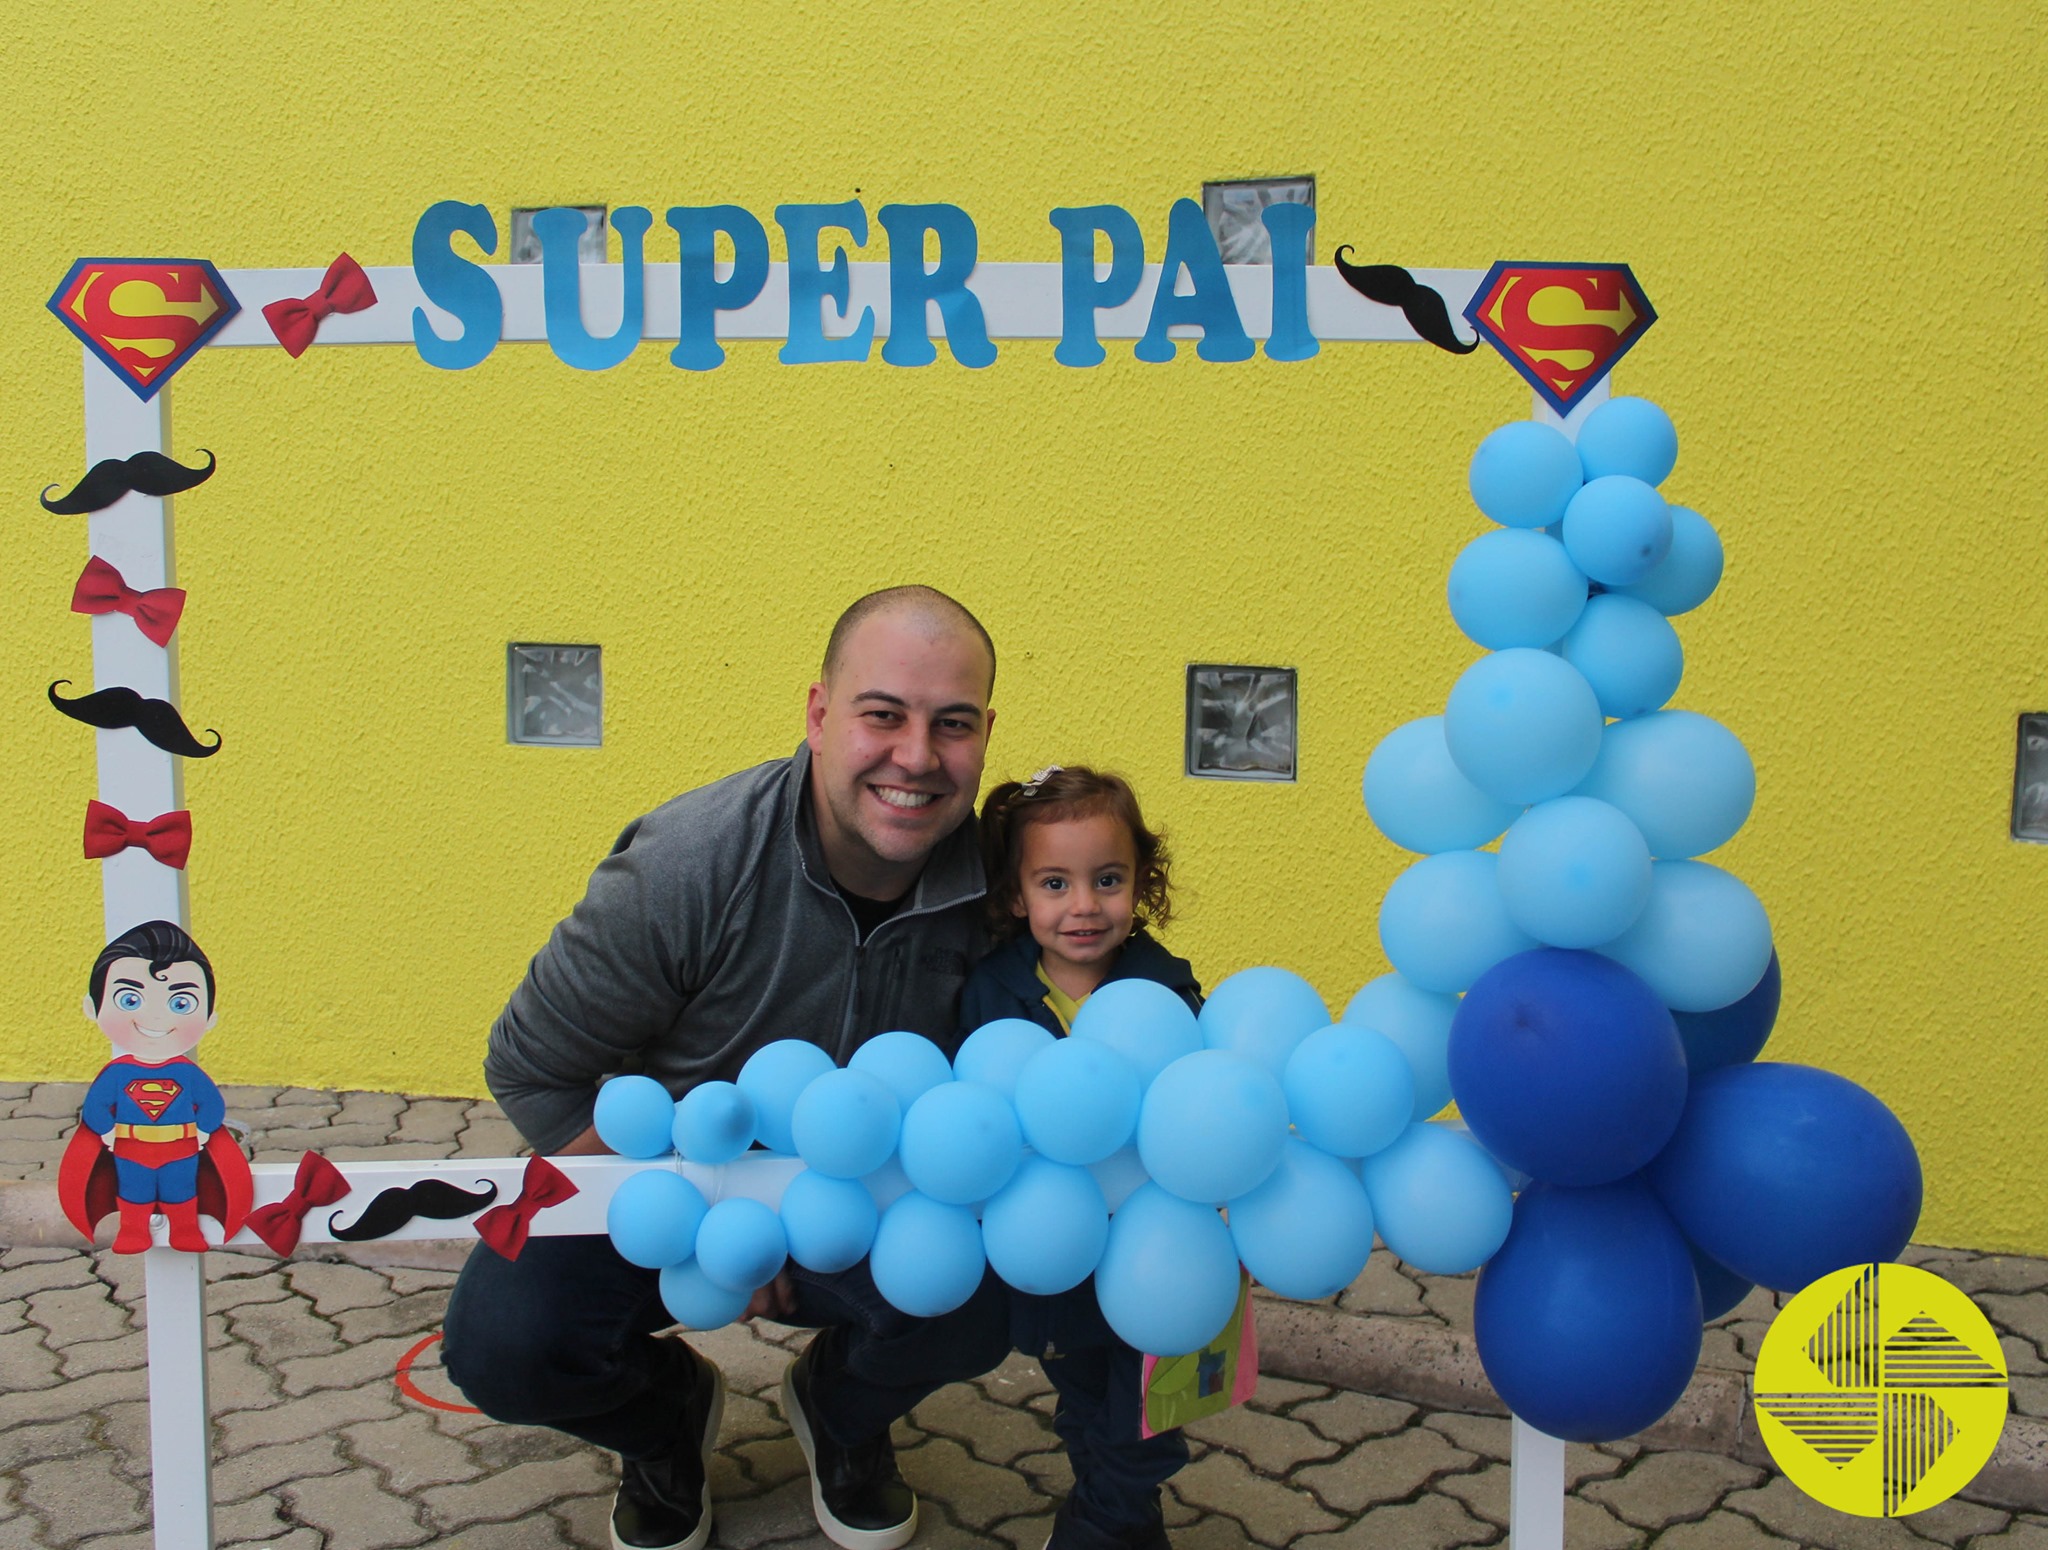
2030 781
525 246
1233 212
1241 722
554 696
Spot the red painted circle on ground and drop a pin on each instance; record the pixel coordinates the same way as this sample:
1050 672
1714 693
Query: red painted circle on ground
412 1391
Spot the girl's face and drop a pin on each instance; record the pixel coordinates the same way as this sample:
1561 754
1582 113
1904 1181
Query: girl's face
1076 880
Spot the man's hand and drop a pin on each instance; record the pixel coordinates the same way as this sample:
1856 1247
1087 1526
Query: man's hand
776 1300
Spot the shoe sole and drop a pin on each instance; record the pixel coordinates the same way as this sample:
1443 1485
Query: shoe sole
841 1534
712 1421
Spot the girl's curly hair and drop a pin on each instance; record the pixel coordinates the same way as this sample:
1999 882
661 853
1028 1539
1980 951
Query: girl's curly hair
1057 796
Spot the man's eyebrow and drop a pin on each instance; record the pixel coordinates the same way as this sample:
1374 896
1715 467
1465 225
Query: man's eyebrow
131 984
186 985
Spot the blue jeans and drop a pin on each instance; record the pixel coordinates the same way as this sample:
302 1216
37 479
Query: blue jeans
1099 1379
562 1337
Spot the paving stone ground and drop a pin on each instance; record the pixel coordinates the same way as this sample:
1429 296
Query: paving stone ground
316 1448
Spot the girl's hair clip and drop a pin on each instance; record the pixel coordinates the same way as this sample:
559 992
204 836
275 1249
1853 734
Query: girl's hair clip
1030 787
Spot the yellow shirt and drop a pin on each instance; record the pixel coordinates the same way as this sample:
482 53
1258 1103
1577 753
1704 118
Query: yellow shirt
1063 1005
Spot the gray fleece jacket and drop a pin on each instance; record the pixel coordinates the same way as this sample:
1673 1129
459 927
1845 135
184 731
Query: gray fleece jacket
713 928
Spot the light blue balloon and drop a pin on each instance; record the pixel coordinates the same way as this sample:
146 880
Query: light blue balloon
1169 1277
1574 872
714 1123
1523 474
927 1259
1078 1101
1682 778
1511 587
1419 1023
995 1052
1628 652
1262 1014
1349 1090
909 1062
1438 1201
1142 1021
773 1078
653 1218
740 1244
961 1143
1688 573
1045 1230
1212 1126
1617 529
1418 797
1443 922
1629 436
1523 725
845 1123
1306 1231
1703 939
1118 1174
694 1300
634 1115
830 1223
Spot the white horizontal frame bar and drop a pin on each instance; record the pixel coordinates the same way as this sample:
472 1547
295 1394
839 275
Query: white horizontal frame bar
1018 301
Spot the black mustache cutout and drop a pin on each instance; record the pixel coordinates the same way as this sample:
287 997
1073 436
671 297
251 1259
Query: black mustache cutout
1392 286
147 473
157 720
393 1208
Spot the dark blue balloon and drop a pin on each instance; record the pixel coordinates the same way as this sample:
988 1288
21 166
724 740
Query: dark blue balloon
1567 1067
1733 1034
1720 1288
1783 1173
1588 1319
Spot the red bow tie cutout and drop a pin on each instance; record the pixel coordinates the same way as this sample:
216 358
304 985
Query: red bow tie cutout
317 1183
109 831
101 590
344 288
504 1227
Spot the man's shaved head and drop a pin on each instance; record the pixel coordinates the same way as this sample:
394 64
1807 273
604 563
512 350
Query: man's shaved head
925 608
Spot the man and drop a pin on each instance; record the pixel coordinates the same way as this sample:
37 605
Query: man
832 896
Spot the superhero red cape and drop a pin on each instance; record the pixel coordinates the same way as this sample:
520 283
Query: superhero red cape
85 1182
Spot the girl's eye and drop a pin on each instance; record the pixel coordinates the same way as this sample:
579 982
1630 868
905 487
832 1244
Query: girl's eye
1109 880
1055 884
128 1000
184 1004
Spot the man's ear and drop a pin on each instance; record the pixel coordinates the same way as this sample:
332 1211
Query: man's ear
814 714
988 725
211 1019
92 1013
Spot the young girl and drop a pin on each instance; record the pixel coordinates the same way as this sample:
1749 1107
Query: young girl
1074 880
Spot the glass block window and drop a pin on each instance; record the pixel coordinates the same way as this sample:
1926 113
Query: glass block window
2030 781
525 247
1233 214
554 696
1241 722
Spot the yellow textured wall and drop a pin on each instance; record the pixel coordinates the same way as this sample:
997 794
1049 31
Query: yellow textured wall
1839 218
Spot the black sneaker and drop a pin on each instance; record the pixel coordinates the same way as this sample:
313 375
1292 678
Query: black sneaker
1070 1531
860 1501
664 1503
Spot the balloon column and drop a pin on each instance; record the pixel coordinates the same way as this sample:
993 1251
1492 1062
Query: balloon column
1108 1154
1593 993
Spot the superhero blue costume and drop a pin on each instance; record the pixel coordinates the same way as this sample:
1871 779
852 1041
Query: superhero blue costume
155 1114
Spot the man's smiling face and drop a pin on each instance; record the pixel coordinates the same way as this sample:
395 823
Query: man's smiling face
897 738
154 1017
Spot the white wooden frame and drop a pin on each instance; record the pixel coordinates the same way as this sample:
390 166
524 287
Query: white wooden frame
1019 301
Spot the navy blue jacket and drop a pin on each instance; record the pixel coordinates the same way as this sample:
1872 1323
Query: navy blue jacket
1006 983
